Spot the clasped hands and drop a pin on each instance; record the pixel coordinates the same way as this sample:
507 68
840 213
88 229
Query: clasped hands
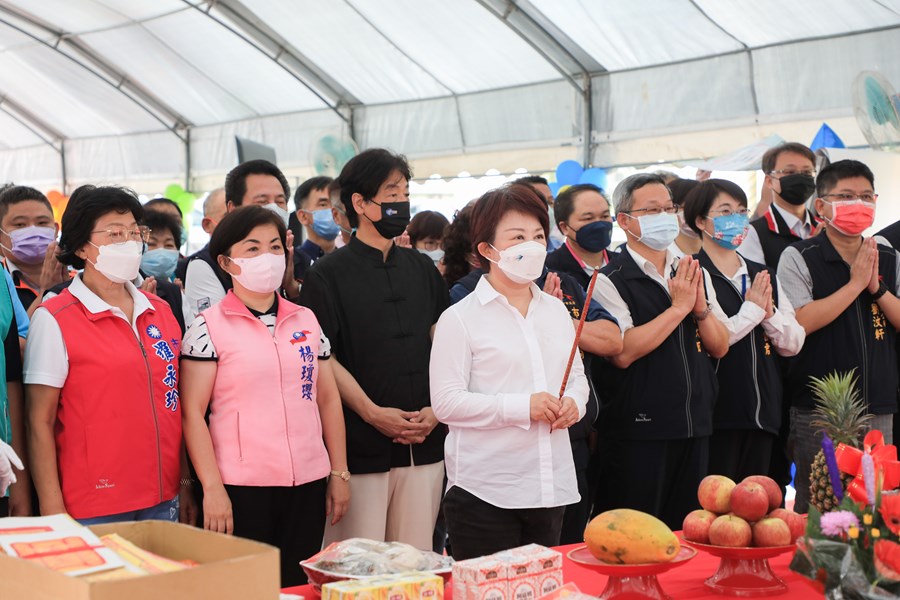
560 413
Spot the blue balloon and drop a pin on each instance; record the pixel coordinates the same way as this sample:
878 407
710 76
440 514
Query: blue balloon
554 188
568 172
595 176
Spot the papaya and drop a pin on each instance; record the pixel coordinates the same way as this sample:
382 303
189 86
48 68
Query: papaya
628 537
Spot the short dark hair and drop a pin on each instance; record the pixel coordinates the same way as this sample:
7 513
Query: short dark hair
457 245
493 205
365 173
157 220
564 205
533 179
771 156
86 205
150 204
427 224
701 198
237 225
308 187
842 169
14 194
680 189
236 180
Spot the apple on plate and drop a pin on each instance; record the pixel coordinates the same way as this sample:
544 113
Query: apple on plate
770 531
696 525
773 490
714 493
730 531
793 520
749 501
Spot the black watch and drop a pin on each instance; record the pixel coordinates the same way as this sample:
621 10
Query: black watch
882 290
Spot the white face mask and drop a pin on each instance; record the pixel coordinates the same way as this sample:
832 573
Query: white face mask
434 255
262 274
119 262
522 263
658 231
281 212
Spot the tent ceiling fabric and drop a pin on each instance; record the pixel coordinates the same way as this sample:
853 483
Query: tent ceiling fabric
426 77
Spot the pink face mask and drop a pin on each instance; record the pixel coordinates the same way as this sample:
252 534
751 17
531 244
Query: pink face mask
262 273
851 217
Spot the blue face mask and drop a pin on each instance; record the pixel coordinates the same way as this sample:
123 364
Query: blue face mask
160 263
323 224
730 230
595 236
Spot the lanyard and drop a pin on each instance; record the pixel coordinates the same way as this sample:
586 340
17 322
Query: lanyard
743 287
580 262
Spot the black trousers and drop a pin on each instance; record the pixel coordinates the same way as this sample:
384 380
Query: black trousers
739 453
659 477
478 528
780 461
576 515
291 518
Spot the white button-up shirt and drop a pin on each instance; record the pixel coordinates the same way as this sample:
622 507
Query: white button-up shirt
751 247
786 333
486 361
46 359
608 296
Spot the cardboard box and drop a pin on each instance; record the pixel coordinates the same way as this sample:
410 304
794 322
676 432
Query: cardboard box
230 569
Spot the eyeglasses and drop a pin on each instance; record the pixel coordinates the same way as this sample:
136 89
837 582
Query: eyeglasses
849 197
727 212
119 234
789 172
655 210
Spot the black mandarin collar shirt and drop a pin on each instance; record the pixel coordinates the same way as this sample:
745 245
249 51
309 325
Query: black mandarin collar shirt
378 313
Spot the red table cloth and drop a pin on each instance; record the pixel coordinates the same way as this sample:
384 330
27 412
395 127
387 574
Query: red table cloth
683 582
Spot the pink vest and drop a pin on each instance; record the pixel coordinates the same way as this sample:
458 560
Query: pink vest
264 419
118 425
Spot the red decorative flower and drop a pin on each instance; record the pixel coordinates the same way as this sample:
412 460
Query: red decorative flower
890 512
887 559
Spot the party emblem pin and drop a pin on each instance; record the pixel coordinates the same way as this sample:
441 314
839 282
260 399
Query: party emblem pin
298 337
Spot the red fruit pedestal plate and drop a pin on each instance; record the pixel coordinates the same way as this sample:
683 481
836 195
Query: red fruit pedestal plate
631 581
744 571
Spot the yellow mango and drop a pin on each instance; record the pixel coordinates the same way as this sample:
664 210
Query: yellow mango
628 537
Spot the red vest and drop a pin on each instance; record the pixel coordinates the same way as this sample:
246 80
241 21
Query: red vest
118 425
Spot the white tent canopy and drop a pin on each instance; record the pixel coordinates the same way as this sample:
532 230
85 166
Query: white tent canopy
155 90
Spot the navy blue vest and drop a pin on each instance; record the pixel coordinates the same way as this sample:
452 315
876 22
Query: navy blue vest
860 338
750 392
669 393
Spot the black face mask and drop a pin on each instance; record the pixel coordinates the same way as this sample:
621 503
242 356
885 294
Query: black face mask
796 189
394 219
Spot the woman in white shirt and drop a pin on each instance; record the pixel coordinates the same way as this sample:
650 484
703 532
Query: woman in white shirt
497 364
761 327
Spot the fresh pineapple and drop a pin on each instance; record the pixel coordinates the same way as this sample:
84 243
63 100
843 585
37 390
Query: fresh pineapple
841 414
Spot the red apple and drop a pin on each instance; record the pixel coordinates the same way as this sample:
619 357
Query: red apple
696 525
771 532
773 490
714 493
730 531
793 520
749 501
